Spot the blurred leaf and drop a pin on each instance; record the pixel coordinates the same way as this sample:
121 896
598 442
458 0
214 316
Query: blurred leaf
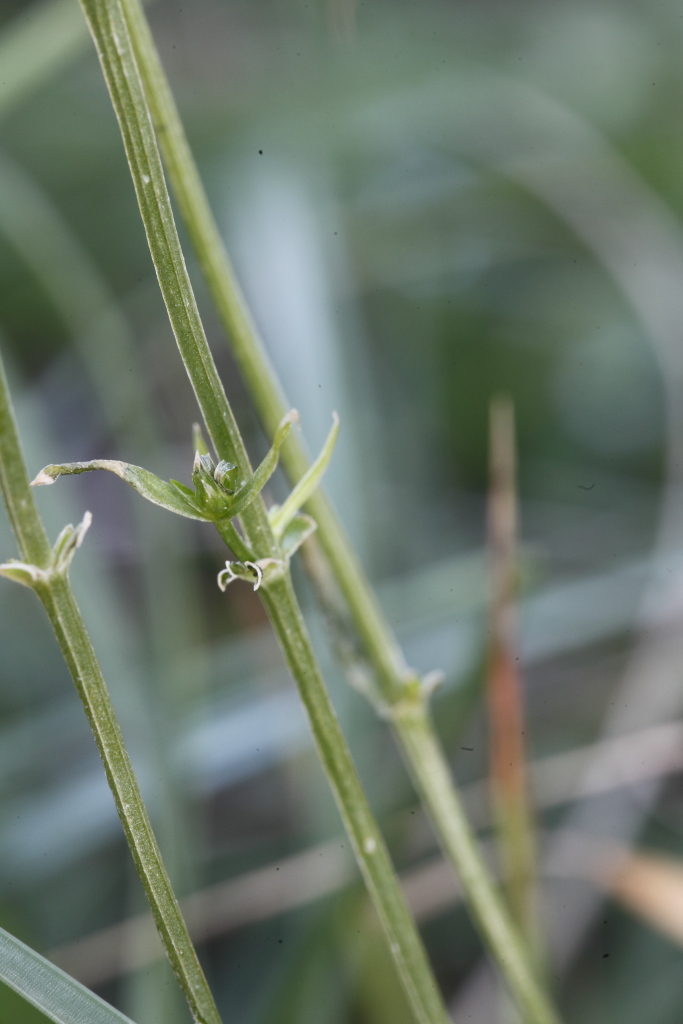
296 532
59 997
651 886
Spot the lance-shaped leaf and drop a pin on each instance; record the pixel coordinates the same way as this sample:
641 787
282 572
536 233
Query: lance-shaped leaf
171 496
282 515
54 993
69 540
246 494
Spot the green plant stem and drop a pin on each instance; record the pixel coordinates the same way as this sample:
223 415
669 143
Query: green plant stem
394 677
368 845
434 782
252 358
110 32
58 599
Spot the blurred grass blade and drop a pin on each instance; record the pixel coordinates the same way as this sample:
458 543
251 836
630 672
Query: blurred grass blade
651 886
54 993
508 776
34 47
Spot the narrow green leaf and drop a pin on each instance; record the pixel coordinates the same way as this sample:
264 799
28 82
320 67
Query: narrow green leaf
296 532
282 515
167 495
183 488
68 542
246 494
54 993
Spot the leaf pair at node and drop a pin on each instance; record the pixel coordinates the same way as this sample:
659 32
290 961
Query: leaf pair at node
218 492
218 497
63 552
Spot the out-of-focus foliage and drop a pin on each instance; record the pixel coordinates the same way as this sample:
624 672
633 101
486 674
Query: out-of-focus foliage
428 203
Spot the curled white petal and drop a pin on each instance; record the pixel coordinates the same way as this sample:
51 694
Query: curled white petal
259 573
228 574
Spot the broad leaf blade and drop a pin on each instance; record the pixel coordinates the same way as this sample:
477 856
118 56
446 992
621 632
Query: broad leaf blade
49 989
145 483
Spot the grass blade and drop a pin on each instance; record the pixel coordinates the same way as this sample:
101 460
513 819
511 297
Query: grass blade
49 989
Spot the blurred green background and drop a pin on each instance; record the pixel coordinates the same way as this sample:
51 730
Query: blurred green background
428 204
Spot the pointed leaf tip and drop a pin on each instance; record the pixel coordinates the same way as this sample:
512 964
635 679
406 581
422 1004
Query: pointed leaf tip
43 479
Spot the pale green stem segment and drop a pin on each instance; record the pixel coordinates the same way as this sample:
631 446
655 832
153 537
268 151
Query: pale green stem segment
444 804
110 32
54 590
366 838
394 678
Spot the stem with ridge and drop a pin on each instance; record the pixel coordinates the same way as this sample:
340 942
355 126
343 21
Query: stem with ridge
398 685
110 33
55 593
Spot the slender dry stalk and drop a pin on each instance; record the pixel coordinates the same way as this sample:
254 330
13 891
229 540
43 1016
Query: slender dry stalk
508 776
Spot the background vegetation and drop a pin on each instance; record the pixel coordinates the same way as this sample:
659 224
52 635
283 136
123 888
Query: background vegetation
427 205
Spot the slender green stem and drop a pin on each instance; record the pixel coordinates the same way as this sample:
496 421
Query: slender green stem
252 358
34 547
56 595
110 32
366 838
433 779
394 678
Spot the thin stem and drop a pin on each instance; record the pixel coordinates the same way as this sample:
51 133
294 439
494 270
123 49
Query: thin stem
110 32
433 780
59 602
393 676
252 358
368 845
34 547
